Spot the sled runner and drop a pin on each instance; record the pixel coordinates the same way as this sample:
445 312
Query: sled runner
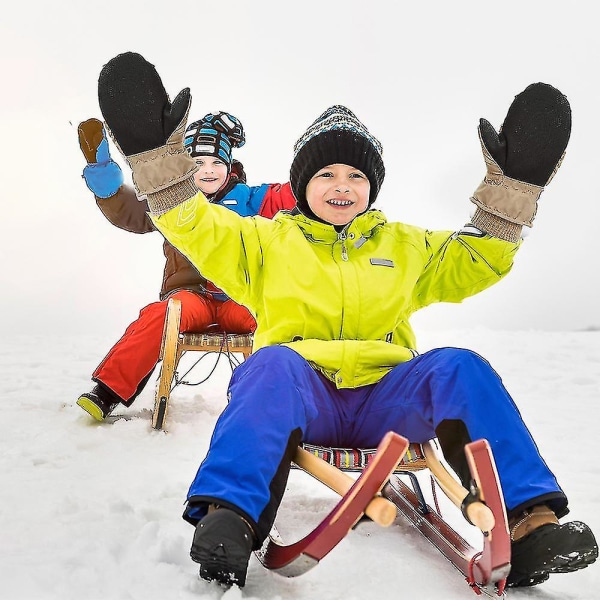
485 569
176 343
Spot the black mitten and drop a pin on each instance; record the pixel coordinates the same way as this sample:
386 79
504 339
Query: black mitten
136 106
521 159
148 129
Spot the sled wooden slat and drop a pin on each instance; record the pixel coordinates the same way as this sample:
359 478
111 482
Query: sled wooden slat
381 511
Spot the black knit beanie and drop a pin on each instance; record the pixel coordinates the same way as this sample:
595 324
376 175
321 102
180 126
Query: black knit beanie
336 137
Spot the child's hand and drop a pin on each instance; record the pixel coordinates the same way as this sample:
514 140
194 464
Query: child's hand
148 130
135 104
521 159
102 175
533 137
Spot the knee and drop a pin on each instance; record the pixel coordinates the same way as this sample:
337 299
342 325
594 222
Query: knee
464 360
464 356
154 311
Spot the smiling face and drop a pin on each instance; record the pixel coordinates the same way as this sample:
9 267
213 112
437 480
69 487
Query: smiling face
337 193
211 174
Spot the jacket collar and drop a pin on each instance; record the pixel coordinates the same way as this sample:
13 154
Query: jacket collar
362 226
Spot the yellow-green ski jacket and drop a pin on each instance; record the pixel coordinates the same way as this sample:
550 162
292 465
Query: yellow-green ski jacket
341 300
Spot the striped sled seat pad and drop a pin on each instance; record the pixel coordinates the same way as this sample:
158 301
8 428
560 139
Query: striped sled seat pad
356 459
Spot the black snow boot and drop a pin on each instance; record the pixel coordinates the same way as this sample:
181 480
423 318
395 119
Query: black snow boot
542 546
99 403
222 545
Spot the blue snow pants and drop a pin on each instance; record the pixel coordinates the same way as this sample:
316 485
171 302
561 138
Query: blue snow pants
276 399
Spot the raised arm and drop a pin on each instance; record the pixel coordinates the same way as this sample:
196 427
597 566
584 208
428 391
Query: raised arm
149 131
521 159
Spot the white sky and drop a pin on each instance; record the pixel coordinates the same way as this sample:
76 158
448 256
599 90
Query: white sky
420 75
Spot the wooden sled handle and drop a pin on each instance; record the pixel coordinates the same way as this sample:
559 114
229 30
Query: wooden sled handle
478 513
380 510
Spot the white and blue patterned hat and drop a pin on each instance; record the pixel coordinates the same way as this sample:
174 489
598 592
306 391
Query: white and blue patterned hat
216 134
336 137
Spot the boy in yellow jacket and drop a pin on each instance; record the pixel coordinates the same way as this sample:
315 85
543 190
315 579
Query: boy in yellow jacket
332 286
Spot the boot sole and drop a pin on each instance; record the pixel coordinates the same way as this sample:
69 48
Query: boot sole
561 563
537 577
91 408
226 570
222 546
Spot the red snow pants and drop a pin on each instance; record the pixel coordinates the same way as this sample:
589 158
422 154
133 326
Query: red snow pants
130 362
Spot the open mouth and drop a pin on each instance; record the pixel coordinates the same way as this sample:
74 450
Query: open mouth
340 203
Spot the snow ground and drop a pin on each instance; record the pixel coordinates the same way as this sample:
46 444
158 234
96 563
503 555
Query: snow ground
93 511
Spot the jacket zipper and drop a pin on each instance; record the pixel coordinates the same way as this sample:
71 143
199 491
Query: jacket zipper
342 238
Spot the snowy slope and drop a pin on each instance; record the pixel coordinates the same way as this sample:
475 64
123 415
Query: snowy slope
93 511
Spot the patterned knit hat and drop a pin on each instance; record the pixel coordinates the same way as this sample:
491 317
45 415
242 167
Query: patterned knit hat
216 134
337 136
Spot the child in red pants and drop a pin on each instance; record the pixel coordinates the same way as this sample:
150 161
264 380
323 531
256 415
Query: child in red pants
125 370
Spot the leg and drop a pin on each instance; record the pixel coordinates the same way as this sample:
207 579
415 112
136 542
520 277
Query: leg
130 362
458 387
274 397
457 395
198 312
234 318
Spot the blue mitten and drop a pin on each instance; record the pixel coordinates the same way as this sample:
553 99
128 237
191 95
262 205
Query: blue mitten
102 175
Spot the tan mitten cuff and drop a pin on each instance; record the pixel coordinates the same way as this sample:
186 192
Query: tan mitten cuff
164 200
160 168
505 198
165 174
496 226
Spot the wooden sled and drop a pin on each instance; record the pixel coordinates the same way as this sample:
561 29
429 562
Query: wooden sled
175 343
485 570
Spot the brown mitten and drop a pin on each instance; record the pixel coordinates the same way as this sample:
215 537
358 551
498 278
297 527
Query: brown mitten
102 175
